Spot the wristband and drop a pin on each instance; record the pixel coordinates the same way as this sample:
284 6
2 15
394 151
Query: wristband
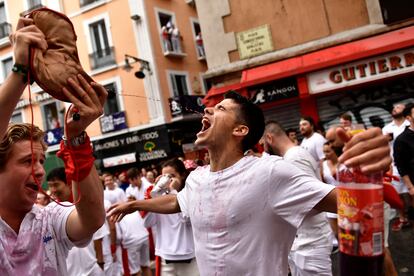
78 159
21 70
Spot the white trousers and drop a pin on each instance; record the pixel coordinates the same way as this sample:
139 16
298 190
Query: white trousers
311 262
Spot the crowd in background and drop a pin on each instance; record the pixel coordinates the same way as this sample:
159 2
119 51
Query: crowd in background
142 241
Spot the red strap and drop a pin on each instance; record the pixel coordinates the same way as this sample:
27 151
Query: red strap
78 160
392 197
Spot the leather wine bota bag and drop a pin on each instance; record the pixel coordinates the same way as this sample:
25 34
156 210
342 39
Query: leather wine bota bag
52 68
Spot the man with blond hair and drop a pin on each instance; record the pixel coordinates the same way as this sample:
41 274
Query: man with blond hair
35 240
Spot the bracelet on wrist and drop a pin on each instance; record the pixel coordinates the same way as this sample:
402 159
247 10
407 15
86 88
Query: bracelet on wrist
75 141
22 70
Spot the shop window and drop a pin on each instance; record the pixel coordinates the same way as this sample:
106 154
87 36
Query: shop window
102 52
198 40
6 66
396 11
112 104
170 35
179 84
52 117
17 117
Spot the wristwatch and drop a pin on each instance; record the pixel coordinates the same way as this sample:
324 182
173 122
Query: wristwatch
77 140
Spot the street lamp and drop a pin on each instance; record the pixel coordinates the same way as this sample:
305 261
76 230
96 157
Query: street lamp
144 65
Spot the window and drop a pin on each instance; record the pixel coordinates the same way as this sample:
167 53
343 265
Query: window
396 11
31 4
52 118
17 117
6 66
86 2
103 54
5 28
179 84
169 34
198 39
112 102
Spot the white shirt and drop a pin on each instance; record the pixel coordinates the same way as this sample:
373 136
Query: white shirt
138 193
82 261
314 145
131 231
173 236
315 231
41 246
245 217
115 196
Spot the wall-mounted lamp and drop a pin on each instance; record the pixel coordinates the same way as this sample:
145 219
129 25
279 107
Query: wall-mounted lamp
135 17
143 63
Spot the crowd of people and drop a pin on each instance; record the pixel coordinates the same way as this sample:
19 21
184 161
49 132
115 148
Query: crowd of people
235 213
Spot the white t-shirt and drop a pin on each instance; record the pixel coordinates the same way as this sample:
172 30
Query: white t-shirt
131 231
173 236
41 246
115 196
82 261
138 193
314 145
315 231
245 217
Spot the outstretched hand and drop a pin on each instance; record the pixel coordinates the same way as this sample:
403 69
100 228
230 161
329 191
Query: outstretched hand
368 149
88 100
119 210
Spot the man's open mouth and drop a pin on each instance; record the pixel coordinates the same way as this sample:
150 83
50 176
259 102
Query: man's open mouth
206 125
33 186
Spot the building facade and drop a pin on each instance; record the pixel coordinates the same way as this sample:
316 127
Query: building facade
154 80
318 58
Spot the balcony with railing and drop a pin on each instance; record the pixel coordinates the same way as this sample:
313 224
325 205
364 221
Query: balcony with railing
172 47
5 29
102 58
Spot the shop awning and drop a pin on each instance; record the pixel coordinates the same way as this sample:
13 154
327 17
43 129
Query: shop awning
324 58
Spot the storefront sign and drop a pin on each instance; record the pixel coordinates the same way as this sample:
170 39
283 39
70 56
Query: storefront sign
36 99
149 144
53 136
274 91
254 42
185 105
362 71
113 122
119 160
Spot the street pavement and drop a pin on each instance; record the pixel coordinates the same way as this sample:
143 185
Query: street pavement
402 250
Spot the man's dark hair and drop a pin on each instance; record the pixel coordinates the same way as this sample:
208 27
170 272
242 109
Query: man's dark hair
310 120
57 174
346 116
251 115
407 109
289 130
274 127
179 166
133 173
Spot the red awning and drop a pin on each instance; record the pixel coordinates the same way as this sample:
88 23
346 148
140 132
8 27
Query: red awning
215 94
324 58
